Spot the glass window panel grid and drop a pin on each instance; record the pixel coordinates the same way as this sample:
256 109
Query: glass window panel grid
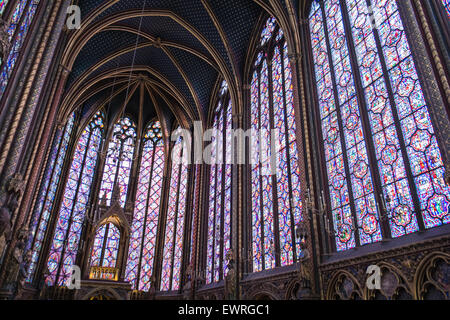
106 246
446 4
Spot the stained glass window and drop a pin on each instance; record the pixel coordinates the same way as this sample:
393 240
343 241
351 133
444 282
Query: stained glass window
119 161
106 246
174 230
219 221
446 4
3 4
47 193
381 151
276 201
71 214
144 229
20 23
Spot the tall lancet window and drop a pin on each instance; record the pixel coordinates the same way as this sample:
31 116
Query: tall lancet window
144 229
174 231
195 211
380 146
47 193
276 202
119 161
71 215
219 219
20 23
106 246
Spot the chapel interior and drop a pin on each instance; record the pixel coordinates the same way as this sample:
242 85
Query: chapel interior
224 150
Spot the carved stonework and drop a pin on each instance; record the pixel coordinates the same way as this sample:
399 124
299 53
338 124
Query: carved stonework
129 209
402 269
271 289
279 284
103 201
16 185
189 279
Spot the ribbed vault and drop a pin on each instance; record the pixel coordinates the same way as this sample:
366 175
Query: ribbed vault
183 48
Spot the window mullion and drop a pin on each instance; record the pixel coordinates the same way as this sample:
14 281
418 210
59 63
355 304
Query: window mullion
273 166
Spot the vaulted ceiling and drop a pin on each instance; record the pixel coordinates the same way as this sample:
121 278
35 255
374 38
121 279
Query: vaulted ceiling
180 50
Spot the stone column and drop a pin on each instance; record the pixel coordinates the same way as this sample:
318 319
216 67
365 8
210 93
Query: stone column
16 143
